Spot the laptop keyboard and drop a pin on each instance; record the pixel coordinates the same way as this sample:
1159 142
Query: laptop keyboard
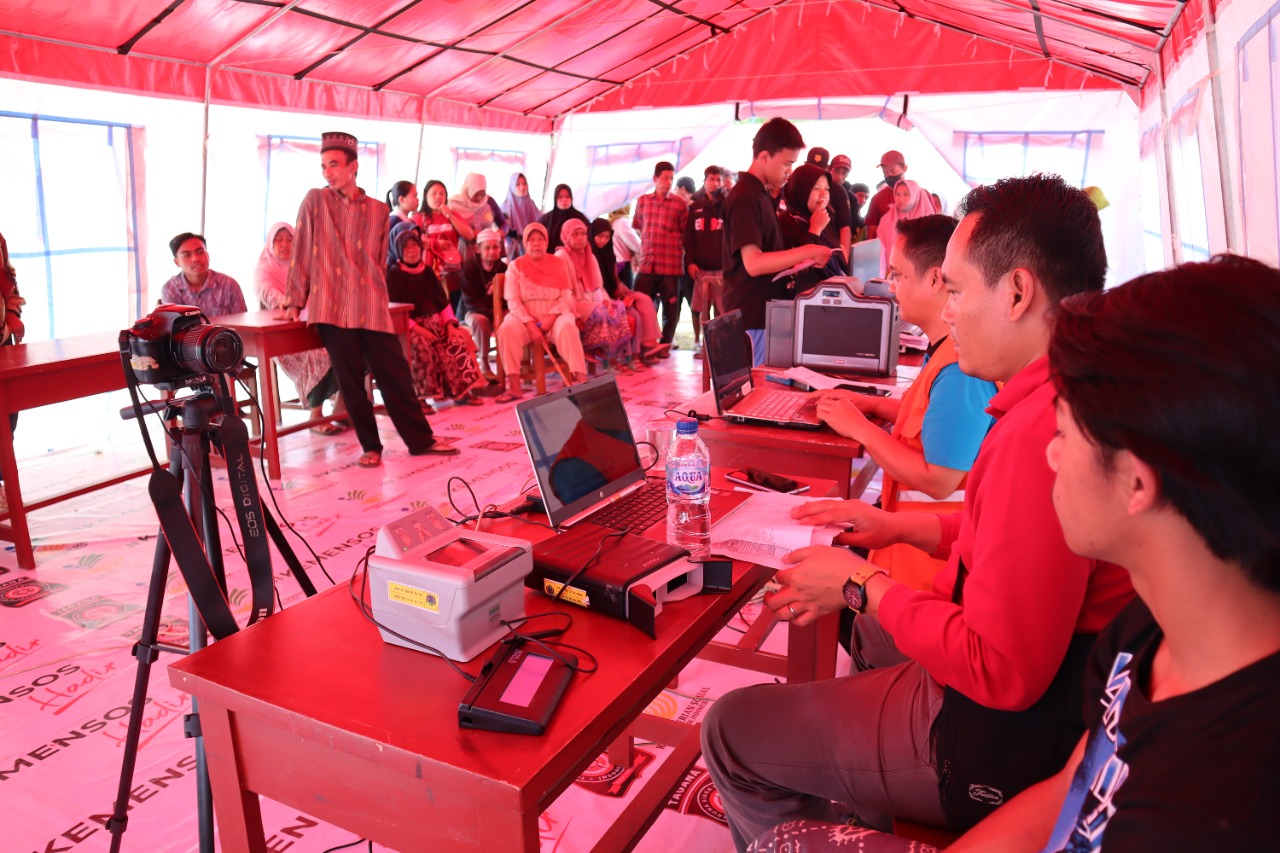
637 511
781 406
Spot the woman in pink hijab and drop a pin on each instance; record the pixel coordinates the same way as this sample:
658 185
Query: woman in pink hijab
603 321
909 202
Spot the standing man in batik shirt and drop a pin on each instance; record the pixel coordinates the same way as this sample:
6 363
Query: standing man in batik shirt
337 274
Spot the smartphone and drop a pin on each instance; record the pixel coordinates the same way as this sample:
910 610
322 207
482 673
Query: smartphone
873 390
757 479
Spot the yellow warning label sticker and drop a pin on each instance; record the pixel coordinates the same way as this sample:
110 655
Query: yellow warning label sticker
573 595
413 596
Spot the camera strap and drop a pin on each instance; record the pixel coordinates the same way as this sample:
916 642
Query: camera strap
248 504
165 491
184 544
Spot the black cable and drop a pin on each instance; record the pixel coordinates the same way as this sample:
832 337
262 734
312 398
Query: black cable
620 532
700 418
656 454
480 512
345 846
366 610
538 637
262 464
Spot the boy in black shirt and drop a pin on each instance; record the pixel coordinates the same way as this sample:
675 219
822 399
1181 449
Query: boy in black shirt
1170 469
753 251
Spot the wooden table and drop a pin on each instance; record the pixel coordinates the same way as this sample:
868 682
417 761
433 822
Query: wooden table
265 338
795 452
811 650
313 709
40 374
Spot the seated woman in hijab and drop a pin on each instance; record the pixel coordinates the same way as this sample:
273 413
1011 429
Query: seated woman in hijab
808 220
602 321
519 211
646 341
474 204
310 372
909 202
540 311
442 354
553 220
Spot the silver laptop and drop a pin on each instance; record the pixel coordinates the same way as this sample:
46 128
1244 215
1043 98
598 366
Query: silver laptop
584 457
727 350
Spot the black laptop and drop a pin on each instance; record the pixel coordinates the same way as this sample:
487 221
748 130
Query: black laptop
727 350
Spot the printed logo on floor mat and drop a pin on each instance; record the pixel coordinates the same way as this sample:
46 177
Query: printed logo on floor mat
170 632
500 446
20 591
612 780
697 795
95 611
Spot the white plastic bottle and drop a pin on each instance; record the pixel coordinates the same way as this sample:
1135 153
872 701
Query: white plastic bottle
689 490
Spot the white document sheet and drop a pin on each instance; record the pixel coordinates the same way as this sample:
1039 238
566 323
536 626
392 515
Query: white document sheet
762 530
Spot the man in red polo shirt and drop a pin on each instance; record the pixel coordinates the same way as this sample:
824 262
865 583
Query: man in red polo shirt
966 694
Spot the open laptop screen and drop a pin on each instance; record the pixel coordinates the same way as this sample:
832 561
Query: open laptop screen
728 355
581 446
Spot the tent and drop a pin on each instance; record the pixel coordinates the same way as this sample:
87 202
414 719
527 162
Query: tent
602 90
521 64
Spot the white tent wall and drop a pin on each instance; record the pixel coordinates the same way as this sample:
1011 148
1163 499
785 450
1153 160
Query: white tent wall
238 214
1215 156
608 158
1057 128
1247 33
234 216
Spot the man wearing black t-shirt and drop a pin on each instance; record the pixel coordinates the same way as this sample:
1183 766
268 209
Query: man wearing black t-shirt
753 251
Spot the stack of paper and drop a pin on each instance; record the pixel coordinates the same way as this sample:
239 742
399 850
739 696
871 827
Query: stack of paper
761 530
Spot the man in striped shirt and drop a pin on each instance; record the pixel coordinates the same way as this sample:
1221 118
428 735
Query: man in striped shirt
337 273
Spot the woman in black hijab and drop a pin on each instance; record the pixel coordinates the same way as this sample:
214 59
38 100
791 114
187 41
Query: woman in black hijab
555 218
647 337
808 220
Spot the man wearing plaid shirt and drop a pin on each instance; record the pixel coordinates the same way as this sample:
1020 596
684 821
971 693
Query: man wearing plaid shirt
660 218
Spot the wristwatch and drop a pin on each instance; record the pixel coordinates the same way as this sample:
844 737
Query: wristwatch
855 588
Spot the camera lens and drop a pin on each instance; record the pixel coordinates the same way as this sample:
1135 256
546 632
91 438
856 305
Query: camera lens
208 349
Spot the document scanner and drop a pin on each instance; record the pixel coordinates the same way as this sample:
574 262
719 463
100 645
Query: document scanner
445 586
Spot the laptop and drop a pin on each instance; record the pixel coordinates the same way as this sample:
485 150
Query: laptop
588 470
727 350
865 259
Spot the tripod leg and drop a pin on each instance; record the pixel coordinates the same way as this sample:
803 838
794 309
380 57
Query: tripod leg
146 651
195 443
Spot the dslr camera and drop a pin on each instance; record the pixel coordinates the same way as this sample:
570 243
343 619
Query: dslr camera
175 346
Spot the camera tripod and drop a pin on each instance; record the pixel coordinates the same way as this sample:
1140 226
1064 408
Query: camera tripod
208 419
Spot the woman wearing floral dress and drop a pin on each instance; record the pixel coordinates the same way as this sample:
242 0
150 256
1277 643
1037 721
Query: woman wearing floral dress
442 353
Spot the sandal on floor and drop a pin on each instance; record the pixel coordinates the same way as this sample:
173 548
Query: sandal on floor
469 400
327 429
371 459
507 397
657 351
437 448
428 409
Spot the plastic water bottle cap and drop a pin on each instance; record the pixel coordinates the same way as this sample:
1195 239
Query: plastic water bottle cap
686 426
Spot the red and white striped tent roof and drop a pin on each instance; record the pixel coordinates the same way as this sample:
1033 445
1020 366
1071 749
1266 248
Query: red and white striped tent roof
522 64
